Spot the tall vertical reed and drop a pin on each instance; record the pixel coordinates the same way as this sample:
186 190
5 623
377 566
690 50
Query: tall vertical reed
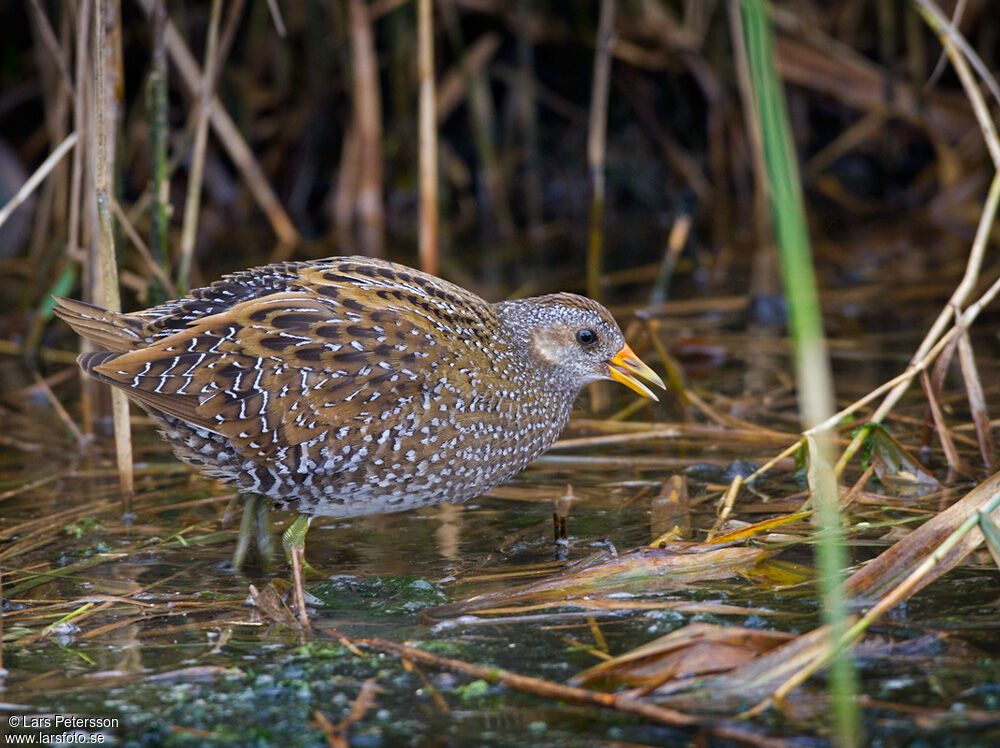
102 131
156 98
427 138
367 95
596 144
813 378
192 203
73 243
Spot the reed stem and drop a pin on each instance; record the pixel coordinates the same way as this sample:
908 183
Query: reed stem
101 132
368 207
814 382
156 97
192 204
597 143
429 250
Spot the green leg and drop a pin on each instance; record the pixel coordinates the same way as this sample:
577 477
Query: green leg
255 533
294 541
264 535
231 508
246 530
294 535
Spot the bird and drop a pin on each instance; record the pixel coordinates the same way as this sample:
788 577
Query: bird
353 386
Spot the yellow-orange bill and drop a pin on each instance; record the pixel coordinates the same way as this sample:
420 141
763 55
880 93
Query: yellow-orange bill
626 366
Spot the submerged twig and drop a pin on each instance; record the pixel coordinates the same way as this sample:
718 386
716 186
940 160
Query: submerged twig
549 689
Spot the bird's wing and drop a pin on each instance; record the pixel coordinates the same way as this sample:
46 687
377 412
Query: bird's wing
286 368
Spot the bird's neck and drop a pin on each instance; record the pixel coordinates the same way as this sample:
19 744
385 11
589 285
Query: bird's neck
520 319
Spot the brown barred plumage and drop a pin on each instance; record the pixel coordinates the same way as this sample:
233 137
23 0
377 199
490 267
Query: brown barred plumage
354 386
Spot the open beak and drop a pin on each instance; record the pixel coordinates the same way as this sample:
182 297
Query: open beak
626 366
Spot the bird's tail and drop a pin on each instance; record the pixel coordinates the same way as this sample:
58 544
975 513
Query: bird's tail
110 330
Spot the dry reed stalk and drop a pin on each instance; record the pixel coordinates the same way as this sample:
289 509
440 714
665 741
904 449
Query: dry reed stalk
229 29
939 23
597 134
37 177
192 203
492 188
971 276
159 136
937 337
64 101
428 248
343 197
102 154
81 127
158 273
367 99
57 406
279 22
621 702
453 87
676 241
942 61
977 399
955 463
761 209
726 504
50 42
527 101
225 129
956 546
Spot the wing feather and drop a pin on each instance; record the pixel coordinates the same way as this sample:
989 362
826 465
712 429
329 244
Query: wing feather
291 368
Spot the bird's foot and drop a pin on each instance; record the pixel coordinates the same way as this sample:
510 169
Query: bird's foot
294 542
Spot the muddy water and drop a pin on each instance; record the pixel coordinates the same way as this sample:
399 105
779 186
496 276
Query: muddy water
145 625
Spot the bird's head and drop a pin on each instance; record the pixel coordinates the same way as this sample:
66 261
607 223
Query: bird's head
578 340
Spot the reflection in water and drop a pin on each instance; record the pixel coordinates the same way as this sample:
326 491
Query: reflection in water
157 596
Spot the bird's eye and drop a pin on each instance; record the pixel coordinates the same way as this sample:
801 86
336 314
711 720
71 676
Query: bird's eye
586 337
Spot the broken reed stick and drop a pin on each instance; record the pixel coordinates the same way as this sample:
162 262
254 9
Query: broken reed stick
955 463
192 202
491 180
939 336
977 399
896 595
427 116
597 133
571 694
102 150
158 273
229 135
963 320
279 22
970 278
37 177
51 44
